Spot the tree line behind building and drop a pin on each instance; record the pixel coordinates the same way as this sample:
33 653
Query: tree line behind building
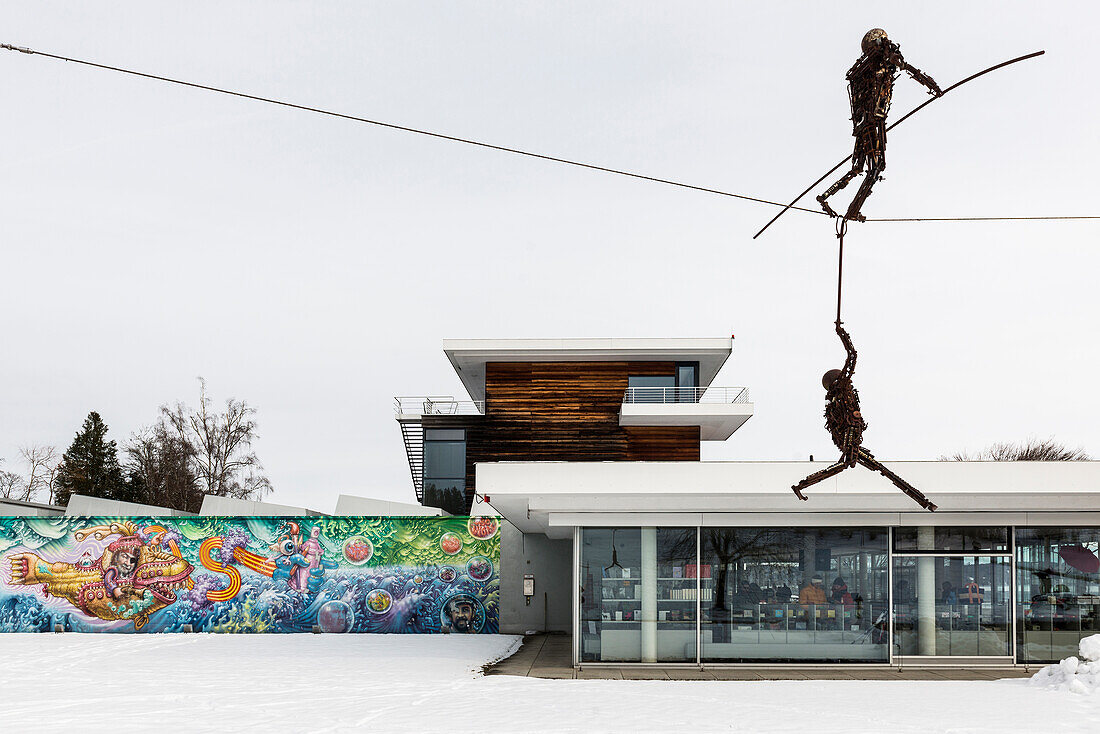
184 454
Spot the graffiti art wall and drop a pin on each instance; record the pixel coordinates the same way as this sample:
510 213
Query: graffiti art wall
250 574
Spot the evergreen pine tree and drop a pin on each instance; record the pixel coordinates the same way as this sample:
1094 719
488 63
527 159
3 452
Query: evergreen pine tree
90 466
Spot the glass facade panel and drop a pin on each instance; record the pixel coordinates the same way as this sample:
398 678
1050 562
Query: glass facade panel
952 605
687 374
794 595
1058 591
444 459
445 469
677 594
951 539
638 594
652 388
808 595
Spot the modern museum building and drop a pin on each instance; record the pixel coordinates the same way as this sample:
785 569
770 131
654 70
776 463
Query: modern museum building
618 534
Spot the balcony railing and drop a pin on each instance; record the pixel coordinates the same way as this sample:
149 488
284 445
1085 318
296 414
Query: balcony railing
725 395
436 405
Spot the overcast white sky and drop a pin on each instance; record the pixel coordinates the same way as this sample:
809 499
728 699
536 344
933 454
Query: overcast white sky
312 266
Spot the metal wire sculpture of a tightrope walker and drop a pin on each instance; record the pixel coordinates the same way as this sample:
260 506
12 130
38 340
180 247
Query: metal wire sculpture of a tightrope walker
870 88
870 85
845 424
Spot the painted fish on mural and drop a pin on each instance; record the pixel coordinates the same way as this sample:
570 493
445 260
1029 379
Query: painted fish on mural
132 579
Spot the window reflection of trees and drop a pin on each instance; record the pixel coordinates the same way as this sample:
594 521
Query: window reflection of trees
730 546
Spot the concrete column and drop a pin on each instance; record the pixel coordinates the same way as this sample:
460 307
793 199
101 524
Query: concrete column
649 595
809 556
926 593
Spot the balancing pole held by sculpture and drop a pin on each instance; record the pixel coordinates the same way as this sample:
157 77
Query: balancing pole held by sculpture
894 124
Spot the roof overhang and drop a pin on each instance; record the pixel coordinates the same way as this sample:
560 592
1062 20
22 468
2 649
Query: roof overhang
716 421
469 356
554 497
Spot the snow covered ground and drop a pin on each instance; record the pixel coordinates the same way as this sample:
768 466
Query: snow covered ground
396 683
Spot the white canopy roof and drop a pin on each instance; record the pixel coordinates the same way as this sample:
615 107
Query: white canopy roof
554 497
469 356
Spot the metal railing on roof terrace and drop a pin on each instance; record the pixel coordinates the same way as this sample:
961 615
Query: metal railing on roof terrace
727 395
436 405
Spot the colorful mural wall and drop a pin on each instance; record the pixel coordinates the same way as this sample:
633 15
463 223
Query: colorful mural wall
250 574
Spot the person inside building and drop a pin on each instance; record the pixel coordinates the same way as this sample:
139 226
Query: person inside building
839 593
947 593
813 592
782 594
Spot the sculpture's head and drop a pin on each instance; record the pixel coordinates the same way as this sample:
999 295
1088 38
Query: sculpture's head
829 379
873 39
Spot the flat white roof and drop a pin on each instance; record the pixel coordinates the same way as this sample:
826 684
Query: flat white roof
555 497
469 356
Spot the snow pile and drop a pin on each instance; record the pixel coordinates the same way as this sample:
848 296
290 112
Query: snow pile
1073 674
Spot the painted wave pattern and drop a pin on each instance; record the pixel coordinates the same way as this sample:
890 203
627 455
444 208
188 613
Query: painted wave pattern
403 575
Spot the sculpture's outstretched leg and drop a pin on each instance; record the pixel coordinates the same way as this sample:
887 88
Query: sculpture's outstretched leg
853 212
816 477
873 142
867 459
840 183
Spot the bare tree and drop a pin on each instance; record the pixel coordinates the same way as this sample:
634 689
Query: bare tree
42 462
13 486
160 468
224 462
1032 449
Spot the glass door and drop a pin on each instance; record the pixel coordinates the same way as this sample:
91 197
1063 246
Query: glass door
952 605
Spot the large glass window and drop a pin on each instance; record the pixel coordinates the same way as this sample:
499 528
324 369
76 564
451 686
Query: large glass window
794 595
638 594
445 469
951 605
687 380
1058 591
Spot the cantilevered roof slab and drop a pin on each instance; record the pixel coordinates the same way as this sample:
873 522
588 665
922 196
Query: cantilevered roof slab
555 497
469 356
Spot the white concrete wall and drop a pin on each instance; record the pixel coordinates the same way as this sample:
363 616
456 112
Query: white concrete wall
225 506
15 508
551 563
351 505
83 506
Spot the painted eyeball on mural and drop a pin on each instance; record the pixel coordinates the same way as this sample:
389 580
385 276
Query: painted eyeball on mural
379 601
450 543
479 568
286 547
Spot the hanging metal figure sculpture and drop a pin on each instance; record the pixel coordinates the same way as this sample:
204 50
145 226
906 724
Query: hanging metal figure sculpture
846 424
870 87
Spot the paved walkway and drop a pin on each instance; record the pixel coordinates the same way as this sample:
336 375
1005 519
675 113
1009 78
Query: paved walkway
549 656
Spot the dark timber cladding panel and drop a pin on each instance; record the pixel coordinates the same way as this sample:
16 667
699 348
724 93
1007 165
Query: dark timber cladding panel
568 411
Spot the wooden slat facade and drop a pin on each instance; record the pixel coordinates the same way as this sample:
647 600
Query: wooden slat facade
565 411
